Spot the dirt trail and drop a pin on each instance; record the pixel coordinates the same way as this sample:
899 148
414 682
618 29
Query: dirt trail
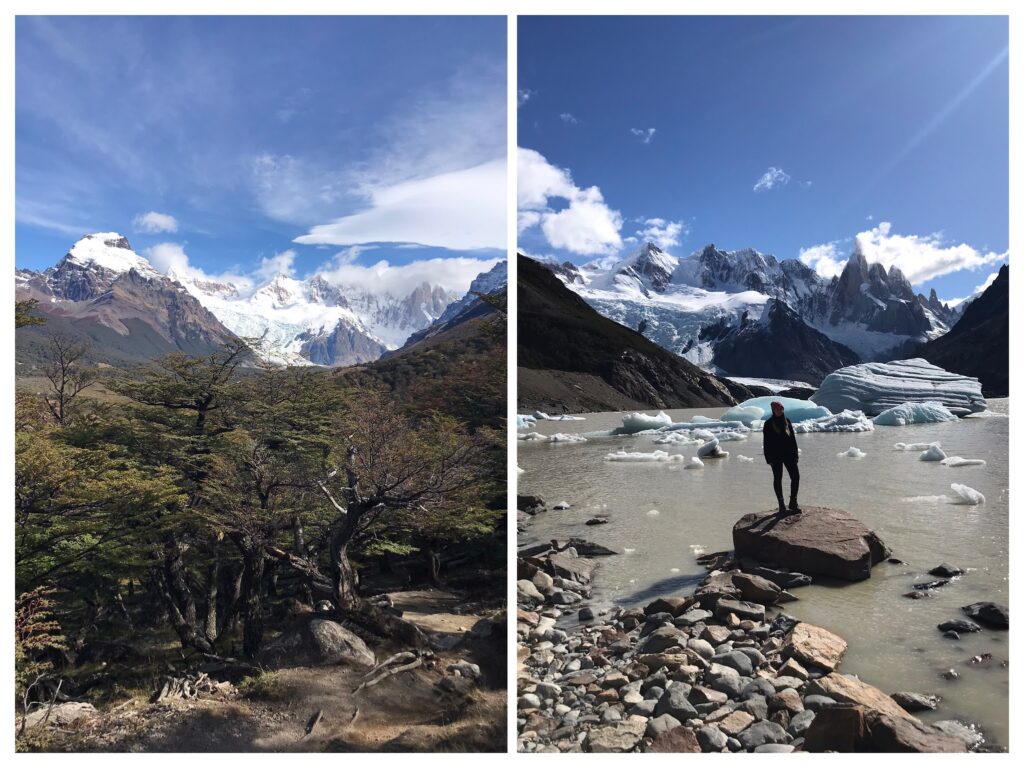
403 713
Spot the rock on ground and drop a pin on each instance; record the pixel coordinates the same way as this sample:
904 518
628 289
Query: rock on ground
316 641
819 541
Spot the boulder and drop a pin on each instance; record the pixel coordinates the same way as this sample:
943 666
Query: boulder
898 734
734 723
961 626
838 728
715 587
813 645
527 593
314 641
671 605
819 541
621 737
916 702
761 733
989 614
531 505
679 739
62 714
756 588
945 570
741 608
849 690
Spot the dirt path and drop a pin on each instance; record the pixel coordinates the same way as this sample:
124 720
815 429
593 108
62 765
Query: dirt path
406 712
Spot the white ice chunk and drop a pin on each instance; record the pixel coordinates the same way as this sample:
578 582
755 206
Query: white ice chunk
741 457
639 422
712 450
853 452
915 446
875 387
934 453
760 408
676 438
694 463
847 421
562 505
965 495
533 437
541 416
525 421
562 437
960 461
639 456
653 513
930 412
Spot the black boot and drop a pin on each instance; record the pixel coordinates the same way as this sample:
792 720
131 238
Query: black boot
794 508
782 507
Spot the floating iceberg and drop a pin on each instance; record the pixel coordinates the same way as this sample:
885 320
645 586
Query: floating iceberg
960 461
561 437
962 495
562 505
876 387
933 453
965 495
533 437
741 457
637 456
712 450
651 513
708 426
677 438
641 422
915 446
541 416
853 452
761 408
694 463
930 412
847 421
525 421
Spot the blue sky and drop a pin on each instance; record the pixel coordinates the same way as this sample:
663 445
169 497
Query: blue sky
235 144
795 136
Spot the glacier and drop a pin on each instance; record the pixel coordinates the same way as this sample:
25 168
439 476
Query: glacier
760 408
846 421
930 412
876 387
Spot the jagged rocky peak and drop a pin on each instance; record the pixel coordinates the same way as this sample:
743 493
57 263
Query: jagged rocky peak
321 291
650 265
107 250
282 290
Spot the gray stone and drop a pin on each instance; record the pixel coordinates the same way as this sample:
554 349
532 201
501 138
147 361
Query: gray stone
660 724
799 723
763 732
816 701
314 641
674 702
736 660
916 702
711 739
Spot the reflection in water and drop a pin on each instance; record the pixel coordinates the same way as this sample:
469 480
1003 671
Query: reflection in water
894 643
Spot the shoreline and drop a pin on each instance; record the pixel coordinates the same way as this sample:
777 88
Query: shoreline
718 669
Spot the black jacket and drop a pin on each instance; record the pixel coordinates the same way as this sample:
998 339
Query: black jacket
779 441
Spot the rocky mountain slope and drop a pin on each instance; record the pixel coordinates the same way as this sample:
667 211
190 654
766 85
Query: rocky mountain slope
118 299
979 344
573 359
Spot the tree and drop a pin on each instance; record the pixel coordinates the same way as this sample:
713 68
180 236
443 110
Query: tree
23 313
67 374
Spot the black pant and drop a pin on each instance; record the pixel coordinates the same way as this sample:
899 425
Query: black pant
794 478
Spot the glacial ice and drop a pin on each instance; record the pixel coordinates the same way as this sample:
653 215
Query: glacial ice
741 457
712 450
960 461
640 456
525 421
847 421
541 416
694 463
640 422
933 453
853 452
562 437
876 387
966 495
676 438
915 446
533 437
760 408
562 505
931 412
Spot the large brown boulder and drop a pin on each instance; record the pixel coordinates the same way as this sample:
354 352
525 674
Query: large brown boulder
838 728
898 734
819 540
850 690
816 646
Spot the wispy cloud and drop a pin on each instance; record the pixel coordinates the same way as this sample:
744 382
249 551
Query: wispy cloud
646 135
919 257
460 210
662 233
586 225
773 177
154 223
523 96
568 117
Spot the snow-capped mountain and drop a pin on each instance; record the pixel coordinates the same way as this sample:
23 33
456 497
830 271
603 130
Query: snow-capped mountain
485 283
867 308
290 321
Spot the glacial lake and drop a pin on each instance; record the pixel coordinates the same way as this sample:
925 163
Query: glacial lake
662 515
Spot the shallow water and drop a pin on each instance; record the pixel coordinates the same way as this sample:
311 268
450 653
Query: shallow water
663 515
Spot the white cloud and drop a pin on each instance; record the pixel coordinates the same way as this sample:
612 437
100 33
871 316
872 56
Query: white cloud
823 259
771 178
153 222
921 257
453 274
523 96
295 190
586 225
171 259
646 135
282 263
460 210
662 233
568 117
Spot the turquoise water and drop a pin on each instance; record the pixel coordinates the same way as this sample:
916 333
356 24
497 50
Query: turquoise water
663 514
